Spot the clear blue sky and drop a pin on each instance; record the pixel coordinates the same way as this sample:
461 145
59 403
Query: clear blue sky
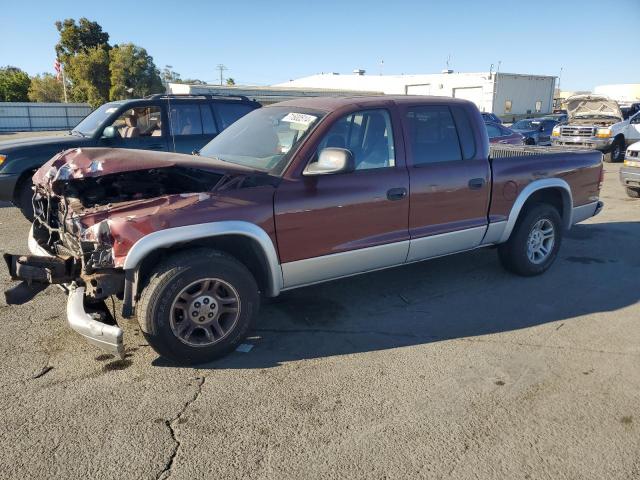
265 42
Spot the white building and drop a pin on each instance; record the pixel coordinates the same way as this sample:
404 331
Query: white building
504 94
621 92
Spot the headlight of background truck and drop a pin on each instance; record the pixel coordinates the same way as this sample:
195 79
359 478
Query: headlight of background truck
555 132
603 132
2 159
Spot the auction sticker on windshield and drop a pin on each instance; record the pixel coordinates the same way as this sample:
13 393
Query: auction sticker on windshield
302 118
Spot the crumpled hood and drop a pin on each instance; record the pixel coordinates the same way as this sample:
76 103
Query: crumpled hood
136 192
94 162
597 105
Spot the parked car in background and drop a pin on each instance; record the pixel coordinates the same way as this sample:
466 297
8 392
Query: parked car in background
536 131
490 117
595 121
629 109
501 134
558 117
630 171
293 194
174 123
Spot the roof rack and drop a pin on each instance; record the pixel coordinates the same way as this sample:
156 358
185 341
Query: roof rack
209 96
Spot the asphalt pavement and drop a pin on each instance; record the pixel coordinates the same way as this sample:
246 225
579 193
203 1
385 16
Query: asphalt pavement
450 369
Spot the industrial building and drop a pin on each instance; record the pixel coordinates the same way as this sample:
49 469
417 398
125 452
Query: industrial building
505 94
622 92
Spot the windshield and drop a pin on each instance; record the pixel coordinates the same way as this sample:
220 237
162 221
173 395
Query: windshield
263 138
95 119
526 125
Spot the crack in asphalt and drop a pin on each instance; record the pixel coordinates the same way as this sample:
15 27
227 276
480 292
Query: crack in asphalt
166 471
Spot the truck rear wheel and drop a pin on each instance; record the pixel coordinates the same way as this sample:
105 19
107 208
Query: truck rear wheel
534 242
616 154
197 306
633 192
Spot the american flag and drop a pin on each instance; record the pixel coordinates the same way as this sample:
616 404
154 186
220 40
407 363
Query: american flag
58 68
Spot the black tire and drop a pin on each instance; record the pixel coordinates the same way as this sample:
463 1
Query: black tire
633 192
529 141
616 154
157 313
24 197
514 254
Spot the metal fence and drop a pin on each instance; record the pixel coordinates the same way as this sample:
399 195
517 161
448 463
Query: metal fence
23 116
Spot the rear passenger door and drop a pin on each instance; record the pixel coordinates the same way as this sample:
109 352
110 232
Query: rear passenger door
192 126
449 181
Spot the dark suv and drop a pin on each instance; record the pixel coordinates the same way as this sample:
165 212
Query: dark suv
174 123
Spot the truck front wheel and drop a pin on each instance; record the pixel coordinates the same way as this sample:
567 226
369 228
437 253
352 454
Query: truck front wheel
534 242
616 154
198 305
633 192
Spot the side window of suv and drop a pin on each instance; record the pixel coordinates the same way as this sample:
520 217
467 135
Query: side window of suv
432 135
139 122
184 119
368 135
230 112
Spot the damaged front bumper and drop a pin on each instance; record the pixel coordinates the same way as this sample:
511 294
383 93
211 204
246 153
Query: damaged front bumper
42 269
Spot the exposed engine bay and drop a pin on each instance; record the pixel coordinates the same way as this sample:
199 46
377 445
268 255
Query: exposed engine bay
119 187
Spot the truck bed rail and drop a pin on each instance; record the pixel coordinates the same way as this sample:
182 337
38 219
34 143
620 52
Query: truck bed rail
503 151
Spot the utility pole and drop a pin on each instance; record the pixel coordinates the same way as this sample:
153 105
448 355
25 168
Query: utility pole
221 68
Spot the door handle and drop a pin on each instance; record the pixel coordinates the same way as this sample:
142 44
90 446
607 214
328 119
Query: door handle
397 193
476 183
156 146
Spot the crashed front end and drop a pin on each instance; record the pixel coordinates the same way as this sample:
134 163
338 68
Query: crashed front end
90 209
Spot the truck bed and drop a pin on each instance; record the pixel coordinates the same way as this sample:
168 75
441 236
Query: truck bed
513 167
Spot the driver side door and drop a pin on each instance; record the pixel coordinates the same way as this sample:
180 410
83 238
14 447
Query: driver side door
633 132
334 225
140 127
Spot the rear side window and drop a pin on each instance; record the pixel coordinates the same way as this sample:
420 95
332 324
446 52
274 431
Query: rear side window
185 119
465 132
208 123
494 131
230 112
432 135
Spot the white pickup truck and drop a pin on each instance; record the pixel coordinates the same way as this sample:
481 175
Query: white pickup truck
596 122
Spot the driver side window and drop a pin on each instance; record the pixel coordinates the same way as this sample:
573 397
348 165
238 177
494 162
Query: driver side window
139 122
367 135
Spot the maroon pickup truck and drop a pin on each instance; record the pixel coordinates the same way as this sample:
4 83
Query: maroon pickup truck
293 194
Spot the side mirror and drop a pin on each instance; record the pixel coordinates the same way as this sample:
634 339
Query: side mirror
541 128
109 132
331 160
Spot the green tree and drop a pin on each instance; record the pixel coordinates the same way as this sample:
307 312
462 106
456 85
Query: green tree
231 81
46 88
14 85
193 81
79 37
170 76
89 74
133 73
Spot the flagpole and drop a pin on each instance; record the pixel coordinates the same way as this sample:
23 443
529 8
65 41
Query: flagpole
64 84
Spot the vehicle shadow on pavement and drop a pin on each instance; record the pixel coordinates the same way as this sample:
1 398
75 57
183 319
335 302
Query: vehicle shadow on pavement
466 295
